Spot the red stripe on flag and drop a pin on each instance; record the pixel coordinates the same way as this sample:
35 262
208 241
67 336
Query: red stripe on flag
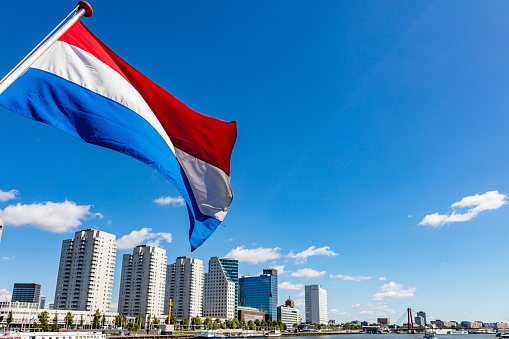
206 138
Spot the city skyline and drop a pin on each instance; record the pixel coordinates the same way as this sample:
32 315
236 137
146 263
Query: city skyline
370 157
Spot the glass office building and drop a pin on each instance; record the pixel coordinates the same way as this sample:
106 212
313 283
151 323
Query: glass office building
260 292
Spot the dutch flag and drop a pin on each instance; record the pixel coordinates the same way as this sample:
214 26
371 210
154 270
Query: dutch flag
84 89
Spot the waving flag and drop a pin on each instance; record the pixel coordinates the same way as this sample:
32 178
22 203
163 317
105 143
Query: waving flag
84 89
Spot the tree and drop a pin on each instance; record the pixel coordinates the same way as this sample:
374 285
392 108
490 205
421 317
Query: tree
9 319
156 323
217 323
55 327
103 320
119 320
139 321
242 323
81 321
173 320
236 323
284 327
69 319
131 326
43 320
96 322
264 324
257 323
197 320
208 322
185 322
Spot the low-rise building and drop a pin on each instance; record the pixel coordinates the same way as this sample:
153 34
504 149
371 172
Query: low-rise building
288 315
250 313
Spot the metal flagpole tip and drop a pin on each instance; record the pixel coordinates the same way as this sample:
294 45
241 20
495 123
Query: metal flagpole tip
88 9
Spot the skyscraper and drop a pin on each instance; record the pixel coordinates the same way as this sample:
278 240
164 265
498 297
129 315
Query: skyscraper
260 292
142 282
85 273
423 315
27 293
316 304
221 288
184 287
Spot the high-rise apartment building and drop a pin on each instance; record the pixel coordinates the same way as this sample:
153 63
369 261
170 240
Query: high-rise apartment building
316 304
260 292
288 314
26 293
221 288
142 282
85 273
184 287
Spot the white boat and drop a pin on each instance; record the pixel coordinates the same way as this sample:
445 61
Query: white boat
457 332
52 335
209 334
276 333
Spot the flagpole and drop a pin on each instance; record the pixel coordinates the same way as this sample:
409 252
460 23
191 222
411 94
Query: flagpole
82 9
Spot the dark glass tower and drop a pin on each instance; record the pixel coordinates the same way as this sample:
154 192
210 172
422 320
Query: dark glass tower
27 293
260 292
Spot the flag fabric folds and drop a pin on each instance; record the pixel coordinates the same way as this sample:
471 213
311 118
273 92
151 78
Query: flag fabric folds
83 88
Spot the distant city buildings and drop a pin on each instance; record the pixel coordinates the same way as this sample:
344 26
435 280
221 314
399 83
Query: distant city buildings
316 304
260 292
419 321
423 315
184 287
142 282
221 288
437 323
85 273
26 292
383 321
42 303
288 314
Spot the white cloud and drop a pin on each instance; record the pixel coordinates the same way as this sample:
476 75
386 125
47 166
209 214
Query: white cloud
312 251
165 201
4 196
280 269
377 310
393 290
301 294
228 240
382 278
49 216
410 216
349 277
254 256
478 203
135 238
334 311
355 305
308 273
5 295
8 258
289 286
300 303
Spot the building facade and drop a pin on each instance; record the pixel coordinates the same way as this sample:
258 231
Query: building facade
419 321
288 314
383 321
423 315
260 292
316 304
220 288
142 282
184 287
26 293
250 313
85 273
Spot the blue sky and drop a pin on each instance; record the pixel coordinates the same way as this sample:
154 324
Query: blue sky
356 120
